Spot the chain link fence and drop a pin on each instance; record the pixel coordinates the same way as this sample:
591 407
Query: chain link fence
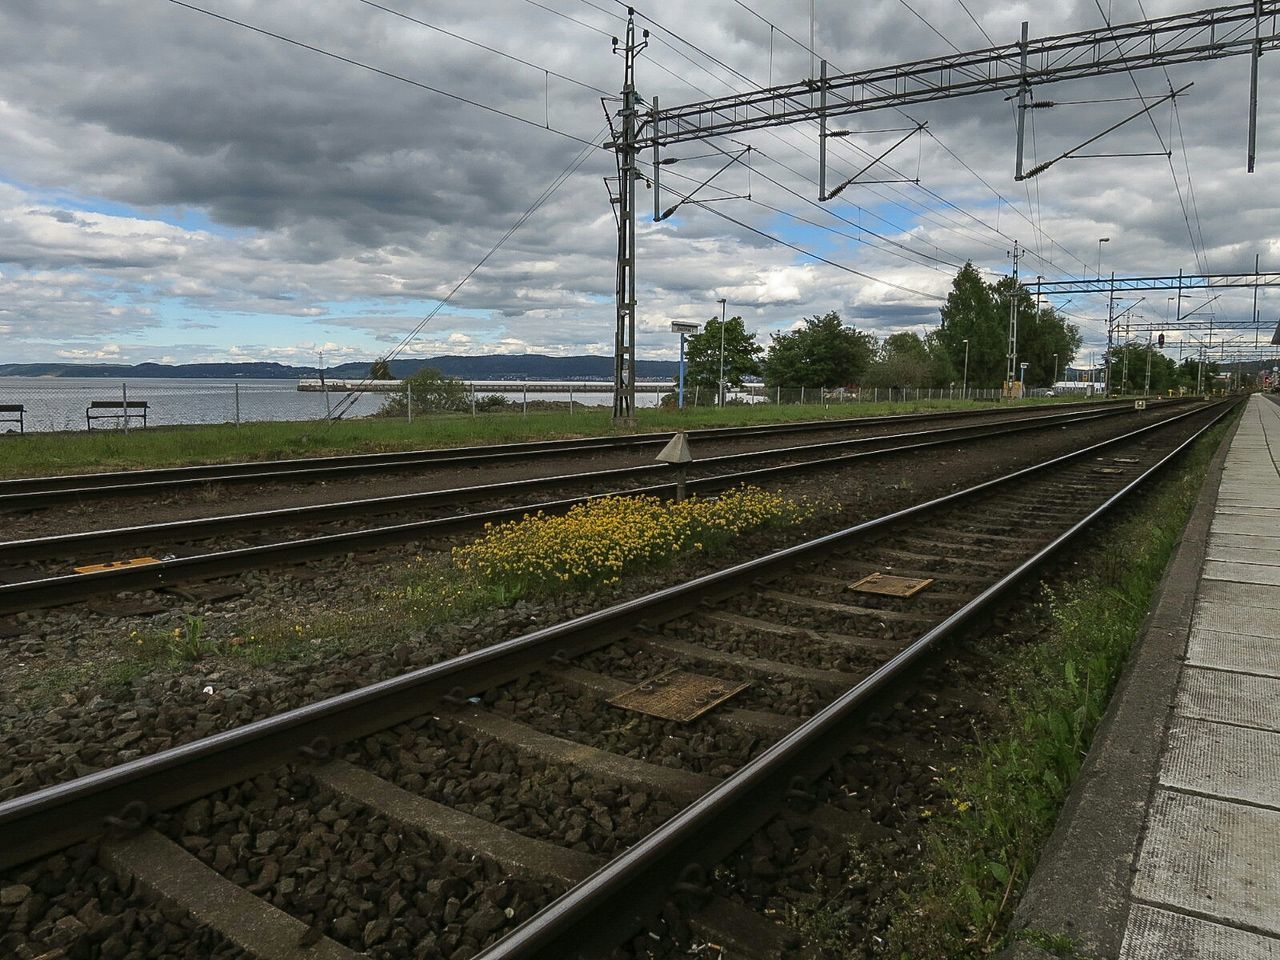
65 404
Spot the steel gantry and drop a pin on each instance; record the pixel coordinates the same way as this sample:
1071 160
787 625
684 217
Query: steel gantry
1209 34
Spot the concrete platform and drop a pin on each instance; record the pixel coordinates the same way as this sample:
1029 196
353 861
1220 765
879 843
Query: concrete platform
1169 846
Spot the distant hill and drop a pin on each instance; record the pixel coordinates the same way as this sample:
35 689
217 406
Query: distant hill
528 366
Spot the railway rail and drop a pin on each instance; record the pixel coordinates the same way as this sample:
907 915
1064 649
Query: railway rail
809 651
34 586
34 492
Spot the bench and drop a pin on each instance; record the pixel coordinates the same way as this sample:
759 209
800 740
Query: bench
115 410
14 413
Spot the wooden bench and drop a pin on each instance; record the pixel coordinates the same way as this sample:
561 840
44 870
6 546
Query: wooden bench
14 413
115 410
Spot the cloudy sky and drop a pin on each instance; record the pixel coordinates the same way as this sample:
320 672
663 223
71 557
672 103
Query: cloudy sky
174 187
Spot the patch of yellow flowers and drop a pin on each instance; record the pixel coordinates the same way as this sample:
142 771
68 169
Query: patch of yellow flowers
596 541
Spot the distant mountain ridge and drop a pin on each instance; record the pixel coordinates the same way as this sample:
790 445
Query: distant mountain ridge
526 366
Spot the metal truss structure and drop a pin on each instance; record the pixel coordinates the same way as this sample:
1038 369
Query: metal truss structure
1237 30
1186 282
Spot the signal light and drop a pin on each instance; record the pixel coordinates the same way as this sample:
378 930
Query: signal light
1160 341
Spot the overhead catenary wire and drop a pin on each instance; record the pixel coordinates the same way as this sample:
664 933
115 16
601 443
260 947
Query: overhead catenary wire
302 44
482 46
817 256
557 182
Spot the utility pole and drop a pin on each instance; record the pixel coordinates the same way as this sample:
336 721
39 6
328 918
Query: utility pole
964 386
720 395
1111 319
626 150
1012 367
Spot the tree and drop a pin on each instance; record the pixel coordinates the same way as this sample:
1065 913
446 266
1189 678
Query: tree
431 391
702 357
381 370
1132 377
978 311
822 353
909 360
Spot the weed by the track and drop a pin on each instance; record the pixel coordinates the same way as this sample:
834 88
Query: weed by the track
980 851
597 541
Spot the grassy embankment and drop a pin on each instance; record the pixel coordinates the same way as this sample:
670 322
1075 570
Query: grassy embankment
1011 786
51 453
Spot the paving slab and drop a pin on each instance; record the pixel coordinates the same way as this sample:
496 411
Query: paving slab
1242 573
1221 760
1156 934
1239 652
1236 618
1212 858
1261 595
1247 700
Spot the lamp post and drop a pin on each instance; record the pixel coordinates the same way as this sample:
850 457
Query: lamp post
964 386
1022 379
1101 241
1055 371
720 395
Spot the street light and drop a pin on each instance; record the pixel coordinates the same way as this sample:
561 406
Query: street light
1101 241
964 386
722 301
1022 379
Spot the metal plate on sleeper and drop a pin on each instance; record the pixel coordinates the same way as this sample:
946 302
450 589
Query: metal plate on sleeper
1108 471
887 585
1124 460
677 695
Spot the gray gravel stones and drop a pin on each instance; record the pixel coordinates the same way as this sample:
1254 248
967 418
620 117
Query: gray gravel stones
497 783
352 875
68 907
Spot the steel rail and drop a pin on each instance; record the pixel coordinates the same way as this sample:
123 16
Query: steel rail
55 817
28 492
183 530
69 588
706 831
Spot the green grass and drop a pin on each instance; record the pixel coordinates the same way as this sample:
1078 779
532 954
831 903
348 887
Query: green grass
38 454
1006 795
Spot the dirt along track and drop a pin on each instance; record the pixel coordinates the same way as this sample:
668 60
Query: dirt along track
327 589
159 504
538 777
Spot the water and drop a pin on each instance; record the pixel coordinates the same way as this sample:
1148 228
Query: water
58 403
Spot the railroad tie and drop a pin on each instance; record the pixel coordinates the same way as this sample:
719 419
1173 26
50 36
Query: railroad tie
677 784
515 852
171 874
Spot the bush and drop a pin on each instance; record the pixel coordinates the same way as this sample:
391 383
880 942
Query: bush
432 392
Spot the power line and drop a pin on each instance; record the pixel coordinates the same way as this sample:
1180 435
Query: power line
483 46
817 256
984 33
378 70
557 182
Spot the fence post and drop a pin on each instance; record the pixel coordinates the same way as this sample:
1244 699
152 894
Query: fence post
525 411
473 400
571 398
802 396
237 386
124 395
408 392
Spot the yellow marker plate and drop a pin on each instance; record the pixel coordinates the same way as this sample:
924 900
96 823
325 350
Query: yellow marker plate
116 565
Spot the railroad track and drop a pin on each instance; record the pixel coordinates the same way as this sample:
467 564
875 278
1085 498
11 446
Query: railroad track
35 492
505 768
32 582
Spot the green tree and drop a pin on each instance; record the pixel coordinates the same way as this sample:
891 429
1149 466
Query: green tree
822 353
909 360
702 358
381 370
978 311
1131 377
970 314
431 391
